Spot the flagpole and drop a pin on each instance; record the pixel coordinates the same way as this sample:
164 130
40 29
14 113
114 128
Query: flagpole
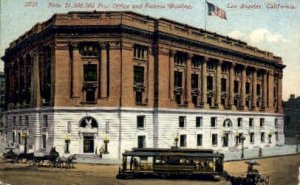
205 14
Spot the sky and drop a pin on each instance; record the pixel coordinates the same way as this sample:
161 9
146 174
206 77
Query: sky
271 25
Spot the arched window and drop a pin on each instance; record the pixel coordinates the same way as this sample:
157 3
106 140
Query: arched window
88 122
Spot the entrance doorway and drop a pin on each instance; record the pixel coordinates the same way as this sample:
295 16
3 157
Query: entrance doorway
88 144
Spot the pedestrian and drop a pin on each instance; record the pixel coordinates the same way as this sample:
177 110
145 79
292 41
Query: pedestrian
260 152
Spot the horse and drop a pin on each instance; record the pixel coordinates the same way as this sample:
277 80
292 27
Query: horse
66 162
51 157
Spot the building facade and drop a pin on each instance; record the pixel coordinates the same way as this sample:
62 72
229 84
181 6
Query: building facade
82 79
291 109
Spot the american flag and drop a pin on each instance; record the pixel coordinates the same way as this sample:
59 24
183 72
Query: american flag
214 10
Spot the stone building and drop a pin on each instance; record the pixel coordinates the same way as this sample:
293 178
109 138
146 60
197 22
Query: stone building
2 101
291 109
83 78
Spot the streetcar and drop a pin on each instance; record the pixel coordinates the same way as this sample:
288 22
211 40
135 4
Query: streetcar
174 162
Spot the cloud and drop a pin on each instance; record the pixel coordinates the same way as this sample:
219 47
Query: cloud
257 36
263 35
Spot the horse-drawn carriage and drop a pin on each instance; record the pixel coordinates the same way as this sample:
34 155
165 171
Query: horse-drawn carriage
51 160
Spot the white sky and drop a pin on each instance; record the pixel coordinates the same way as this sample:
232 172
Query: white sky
274 30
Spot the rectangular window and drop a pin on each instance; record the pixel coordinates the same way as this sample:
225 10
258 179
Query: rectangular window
178 98
19 137
45 121
214 139
240 122
252 137
210 83
138 74
141 141
262 122
20 120
177 79
258 89
262 137
225 140
198 121
199 139
251 122
213 121
182 140
15 121
140 121
223 85
26 120
276 123
90 72
181 121
276 136
194 81
44 141
236 86
247 88
138 97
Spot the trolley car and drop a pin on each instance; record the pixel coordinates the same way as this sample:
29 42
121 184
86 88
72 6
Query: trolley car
174 162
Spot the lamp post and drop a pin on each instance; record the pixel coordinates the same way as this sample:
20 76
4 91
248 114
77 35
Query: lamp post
242 138
25 136
106 141
176 141
67 141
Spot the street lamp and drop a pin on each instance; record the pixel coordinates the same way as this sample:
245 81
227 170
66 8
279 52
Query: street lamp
106 141
25 136
242 138
176 141
67 141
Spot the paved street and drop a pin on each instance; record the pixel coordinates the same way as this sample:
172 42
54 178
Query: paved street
282 170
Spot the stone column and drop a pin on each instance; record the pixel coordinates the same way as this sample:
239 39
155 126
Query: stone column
103 71
35 85
265 91
75 78
171 74
218 84
271 91
254 85
204 82
279 93
243 88
188 84
231 85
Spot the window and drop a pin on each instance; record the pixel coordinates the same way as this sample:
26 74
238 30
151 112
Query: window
258 89
247 88
223 85
26 120
13 137
178 98
15 121
181 121
270 138
262 137
44 141
213 121
276 136
196 62
252 137
195 100
236 86
20 120
240 137
141 141
177 79
210 83
179 58
19 137
225 140
214 139
194 81
138 74
140 121
140 52
251 122
69 126
182 140
240 122
199 139
276 123
90 95
262 122
106 127
198 121
45 121
138 97
90 72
